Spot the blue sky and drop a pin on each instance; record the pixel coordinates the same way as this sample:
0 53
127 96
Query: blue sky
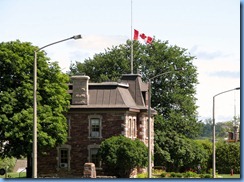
209 30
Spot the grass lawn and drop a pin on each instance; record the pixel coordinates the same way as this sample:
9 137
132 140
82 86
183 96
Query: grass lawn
158 174
23 175
229 176
14 175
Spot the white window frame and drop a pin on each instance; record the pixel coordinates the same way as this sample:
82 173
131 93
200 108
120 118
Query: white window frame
60 164
135 127
146 128
132 127
129 127
92 118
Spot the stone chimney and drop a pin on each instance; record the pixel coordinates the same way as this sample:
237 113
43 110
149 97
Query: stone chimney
80 94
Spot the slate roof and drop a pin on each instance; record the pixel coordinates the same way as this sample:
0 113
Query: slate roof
109 95
126 94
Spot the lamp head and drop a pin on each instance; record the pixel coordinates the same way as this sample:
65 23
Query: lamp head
77 37
178 69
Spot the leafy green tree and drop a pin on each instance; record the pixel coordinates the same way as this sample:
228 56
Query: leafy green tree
207 164
228 157
221 128
7 163
206 129
121 155
16 103
176 152
172 93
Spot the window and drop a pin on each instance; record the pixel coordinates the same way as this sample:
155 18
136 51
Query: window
63 156
95 129
129 128
132 128
93 157
144 97
135 128
146 128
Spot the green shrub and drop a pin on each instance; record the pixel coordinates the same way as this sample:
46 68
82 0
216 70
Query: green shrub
172 174
142 175
208 176
205 176
8 162
163 175
157 171
189 174
179 175
121 155
228 157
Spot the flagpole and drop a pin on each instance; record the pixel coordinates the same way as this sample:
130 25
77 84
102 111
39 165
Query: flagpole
131 56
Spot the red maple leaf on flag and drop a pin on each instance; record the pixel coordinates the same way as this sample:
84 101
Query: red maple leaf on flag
143 36
147 39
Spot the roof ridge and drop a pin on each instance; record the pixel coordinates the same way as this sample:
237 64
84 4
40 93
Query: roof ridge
110 84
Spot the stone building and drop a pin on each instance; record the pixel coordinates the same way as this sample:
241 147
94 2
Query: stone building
234 136
98 111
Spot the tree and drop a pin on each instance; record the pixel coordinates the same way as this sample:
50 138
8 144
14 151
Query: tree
121 155
16 103
7 163
221 128
207 164
206 131
228 157
172 94
176 152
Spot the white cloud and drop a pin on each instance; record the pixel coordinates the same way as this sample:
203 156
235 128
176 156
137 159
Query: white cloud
218 71
82 48
97 43
208 87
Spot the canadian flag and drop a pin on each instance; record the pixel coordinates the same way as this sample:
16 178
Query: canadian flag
147 39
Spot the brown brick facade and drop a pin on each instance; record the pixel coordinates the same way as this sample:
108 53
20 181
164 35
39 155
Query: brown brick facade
91 124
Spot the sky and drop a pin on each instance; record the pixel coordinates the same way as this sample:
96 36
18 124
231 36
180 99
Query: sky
208 29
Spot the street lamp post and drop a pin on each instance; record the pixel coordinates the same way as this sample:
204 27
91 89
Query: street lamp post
34 163
149 169
214 157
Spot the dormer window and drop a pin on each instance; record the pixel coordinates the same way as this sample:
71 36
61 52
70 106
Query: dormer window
144 97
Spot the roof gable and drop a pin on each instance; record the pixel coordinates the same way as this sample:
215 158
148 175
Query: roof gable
136 87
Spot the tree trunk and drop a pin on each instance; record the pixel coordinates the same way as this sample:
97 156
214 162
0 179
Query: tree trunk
29 166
